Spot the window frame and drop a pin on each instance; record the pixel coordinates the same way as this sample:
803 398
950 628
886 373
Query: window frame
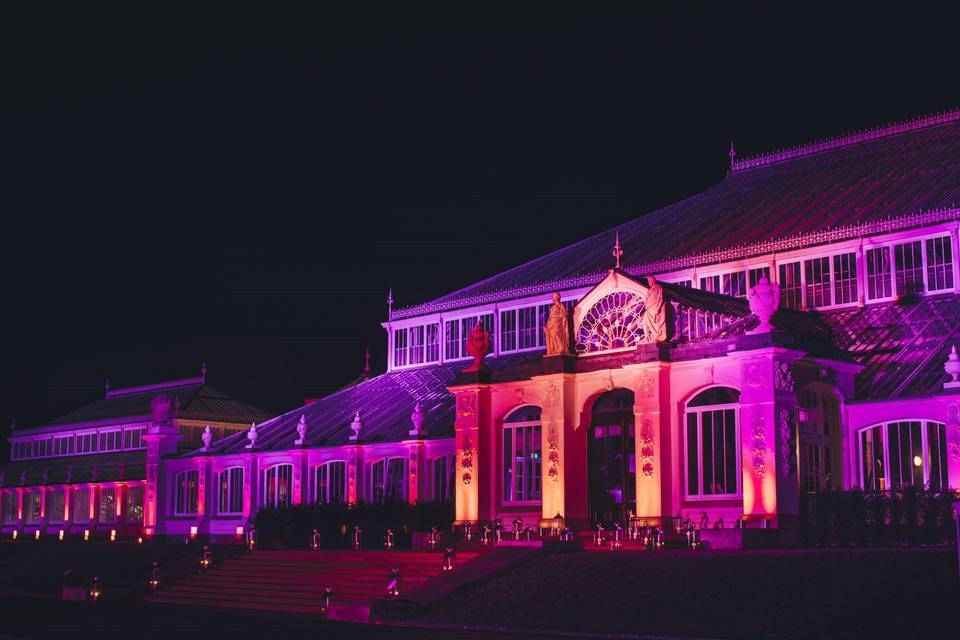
328 484
925 455
738 462
385 462
508 494
226 493
274 502
189 496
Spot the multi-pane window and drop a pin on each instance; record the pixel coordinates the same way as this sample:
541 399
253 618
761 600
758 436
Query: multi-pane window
400 348
451 340
108 504
905 453
415 340
791 287
388 480
230 491
110 441
329 483
527 328
34 506
80 506
845 278
87 443
432 343
710 283
939 264
133 504
133 438
735 284
684 283
63 446
277 486
879 283
10 507
817 272
42 448
521 455
441 488
908 261
508 330
55 505
186 493
712 443
756 273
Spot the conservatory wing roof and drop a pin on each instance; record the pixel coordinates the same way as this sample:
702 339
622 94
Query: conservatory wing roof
892 172
103 467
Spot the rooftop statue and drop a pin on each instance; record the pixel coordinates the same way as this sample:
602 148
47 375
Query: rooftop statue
764 300
557 330
478 344
654 313
162 409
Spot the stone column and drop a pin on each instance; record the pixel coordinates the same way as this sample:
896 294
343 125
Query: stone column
769 453
354 471
651 431
415 470
553 454
474 485
301 478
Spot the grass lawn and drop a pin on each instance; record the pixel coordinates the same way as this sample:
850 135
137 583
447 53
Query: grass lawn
803 593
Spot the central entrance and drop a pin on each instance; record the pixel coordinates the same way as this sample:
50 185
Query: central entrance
612 466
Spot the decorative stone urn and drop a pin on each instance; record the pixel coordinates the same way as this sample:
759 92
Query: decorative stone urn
764 300
952 367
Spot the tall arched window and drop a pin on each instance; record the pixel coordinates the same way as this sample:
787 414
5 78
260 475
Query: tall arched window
329 482
230 491
521 455
388 480
712 443
277 486
904 453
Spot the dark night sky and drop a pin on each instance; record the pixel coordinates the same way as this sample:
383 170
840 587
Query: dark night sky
243 189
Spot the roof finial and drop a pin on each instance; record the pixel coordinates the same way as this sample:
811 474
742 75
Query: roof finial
203 371
390 305
106 388
13 425
366 365
617 251
733 154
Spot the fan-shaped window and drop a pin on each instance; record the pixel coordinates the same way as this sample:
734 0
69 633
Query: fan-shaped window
277 485
329 482
388 480
712 441
521 455
614 322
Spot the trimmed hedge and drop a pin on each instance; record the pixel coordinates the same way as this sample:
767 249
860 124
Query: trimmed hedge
912 517
291 527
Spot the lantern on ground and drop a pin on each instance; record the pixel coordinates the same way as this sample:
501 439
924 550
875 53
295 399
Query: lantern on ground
447 564
193 533
95 591
60 535
598 535
557 525
357 537
239 533
497 531
139 539
14 534
393 585
36 534
388 539
617 541
433 538
657 539
485 536
677 521
252 539
315 540
566 534
86 535
633 530
517 528
467 531
113 535
154 581
326 599
206 558
528 534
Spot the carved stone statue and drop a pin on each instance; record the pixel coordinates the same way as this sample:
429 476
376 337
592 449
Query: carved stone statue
207 437
162 409
417 418
356 426
557 330
764 300
478 344
301 430
252 435
654 313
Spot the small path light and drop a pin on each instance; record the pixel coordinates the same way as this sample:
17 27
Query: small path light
566 534
315 540
497 531
326 599
598 535
60 535
467 531
617 541
95 591
393 586
14 534
154 581
206 558
113 535
433 538
252 539
86 535
528 534
139 539
517 528
36 534
357 537
485 536
557 525
388 539
447 564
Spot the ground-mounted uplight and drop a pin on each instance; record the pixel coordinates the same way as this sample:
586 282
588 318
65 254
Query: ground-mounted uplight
154 581
447 564
139 539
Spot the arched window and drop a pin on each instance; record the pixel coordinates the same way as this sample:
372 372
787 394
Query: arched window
712 443
186 493
614 322
230 491
329 482
521 455
388 480
277 486
904 453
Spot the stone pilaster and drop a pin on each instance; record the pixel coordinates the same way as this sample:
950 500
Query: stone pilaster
651 429
415 470
473 481
161 441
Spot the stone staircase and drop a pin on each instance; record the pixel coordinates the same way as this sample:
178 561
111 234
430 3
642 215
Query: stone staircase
294 581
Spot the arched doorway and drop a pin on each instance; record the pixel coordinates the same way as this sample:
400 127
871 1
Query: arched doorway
611 451
819 439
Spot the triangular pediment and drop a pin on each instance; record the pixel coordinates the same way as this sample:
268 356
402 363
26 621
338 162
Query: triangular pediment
616 280
610 316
